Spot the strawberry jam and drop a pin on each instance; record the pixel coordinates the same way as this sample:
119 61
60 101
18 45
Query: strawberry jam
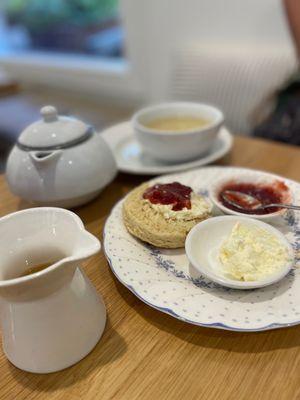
263 193
175 194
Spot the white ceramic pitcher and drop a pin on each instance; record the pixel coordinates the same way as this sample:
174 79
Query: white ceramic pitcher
53 318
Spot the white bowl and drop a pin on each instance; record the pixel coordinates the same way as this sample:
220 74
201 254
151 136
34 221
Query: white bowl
203 243
181 145
255 177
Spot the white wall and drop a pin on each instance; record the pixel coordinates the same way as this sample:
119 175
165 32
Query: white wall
157 27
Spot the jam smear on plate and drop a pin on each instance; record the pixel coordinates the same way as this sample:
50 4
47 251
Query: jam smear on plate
266 194
176 194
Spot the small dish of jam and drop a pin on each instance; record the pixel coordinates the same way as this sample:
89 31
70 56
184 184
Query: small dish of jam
265 195
227 195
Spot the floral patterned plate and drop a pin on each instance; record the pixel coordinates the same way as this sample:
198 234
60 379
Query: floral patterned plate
164 280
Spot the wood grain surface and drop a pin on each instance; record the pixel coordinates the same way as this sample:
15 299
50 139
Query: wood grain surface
145 354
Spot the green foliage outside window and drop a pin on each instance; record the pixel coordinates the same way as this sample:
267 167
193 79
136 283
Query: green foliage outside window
39 15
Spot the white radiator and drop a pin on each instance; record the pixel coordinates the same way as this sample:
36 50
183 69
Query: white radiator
235 78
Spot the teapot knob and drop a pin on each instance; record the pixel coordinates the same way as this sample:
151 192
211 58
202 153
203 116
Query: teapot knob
49 113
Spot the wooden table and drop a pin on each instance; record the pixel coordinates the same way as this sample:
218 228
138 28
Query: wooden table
145 354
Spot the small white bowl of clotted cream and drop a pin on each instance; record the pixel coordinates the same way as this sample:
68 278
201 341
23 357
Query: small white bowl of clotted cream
238 252
178 131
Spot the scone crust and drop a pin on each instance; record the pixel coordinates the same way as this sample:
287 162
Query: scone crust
142 221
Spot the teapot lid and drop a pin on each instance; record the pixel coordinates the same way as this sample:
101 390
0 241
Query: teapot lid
53 131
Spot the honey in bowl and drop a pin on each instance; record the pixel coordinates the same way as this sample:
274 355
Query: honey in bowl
177 124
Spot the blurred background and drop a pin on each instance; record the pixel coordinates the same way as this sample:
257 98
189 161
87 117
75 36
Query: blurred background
102 59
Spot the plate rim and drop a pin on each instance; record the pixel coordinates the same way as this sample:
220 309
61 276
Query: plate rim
215 325
186 166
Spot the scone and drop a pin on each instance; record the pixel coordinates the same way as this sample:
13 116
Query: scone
163 214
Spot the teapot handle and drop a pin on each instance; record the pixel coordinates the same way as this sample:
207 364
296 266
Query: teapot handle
42 157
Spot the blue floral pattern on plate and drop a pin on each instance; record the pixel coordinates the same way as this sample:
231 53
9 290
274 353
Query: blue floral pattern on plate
164 279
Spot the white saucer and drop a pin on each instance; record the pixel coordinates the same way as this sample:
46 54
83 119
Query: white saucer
131 159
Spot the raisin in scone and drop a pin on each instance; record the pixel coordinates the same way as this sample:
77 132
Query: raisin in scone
163 214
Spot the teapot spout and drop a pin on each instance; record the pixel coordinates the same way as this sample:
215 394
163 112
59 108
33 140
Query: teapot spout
44 157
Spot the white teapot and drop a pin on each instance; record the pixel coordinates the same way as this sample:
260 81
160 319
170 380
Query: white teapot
59 161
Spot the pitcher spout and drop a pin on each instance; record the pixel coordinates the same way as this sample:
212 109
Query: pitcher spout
87 246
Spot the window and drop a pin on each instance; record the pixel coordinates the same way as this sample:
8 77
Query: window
83 45
90 27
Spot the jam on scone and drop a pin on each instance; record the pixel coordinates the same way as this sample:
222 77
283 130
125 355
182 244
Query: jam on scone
175 194
163 214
